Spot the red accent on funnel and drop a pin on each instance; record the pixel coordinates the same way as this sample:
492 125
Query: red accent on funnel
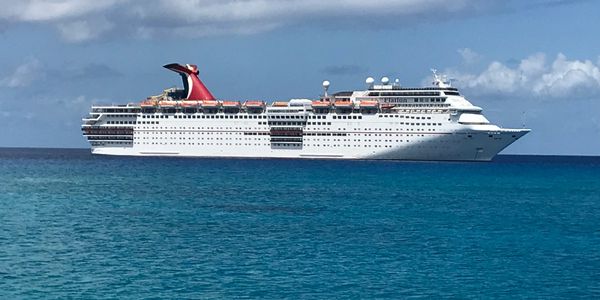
197 90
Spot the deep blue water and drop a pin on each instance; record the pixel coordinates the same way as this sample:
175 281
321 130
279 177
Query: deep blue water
74 225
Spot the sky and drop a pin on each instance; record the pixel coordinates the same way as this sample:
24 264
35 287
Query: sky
533 64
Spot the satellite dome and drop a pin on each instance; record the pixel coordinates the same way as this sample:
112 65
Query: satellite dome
326 84
385 80
370 80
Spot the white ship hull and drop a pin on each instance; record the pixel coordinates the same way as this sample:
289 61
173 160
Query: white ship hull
462 150
387 142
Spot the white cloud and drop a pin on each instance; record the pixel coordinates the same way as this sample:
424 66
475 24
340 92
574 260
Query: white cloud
566 76
469 56
83 30
202 17
534 77
24 75
51 10
232 10
151 18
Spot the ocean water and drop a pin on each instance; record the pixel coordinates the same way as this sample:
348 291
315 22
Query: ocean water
73 225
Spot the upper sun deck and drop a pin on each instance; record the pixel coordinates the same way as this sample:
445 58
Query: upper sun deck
384 97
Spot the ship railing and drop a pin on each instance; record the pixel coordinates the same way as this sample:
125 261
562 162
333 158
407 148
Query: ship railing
90 118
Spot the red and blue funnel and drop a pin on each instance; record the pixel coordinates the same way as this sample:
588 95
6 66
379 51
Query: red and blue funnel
193 86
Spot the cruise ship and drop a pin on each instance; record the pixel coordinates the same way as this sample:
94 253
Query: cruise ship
383 121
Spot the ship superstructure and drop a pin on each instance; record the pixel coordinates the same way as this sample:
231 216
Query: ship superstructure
384 121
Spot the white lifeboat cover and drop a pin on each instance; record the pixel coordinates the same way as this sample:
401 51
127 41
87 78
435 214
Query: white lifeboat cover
300 102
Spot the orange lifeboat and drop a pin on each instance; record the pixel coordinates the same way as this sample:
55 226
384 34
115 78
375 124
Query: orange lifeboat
343 104
188 103
369 104
210 103
254 103
321 104
279 104
148 103
168 103
254 106
231 104
231 107
190 107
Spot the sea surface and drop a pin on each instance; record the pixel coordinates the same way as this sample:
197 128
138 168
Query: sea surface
73 225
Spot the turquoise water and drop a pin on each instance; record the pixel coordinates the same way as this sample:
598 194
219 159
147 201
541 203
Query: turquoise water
74 225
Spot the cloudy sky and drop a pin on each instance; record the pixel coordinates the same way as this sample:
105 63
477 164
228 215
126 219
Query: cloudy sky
527 63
